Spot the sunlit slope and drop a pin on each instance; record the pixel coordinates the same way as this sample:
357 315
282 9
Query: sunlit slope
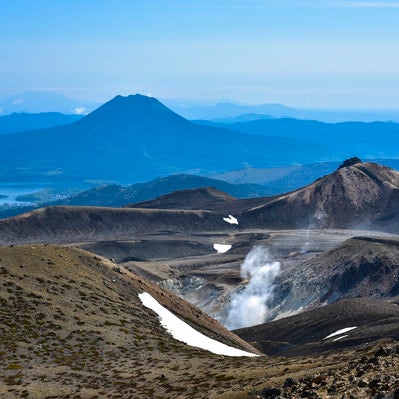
72 323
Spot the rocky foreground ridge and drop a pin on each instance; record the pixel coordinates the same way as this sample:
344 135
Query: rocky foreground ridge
72 326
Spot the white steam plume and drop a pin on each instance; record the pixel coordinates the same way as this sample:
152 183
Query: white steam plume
248 307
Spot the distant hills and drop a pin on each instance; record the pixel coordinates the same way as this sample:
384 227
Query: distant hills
115 195
19 122
366 140
230 110
44 101
35 101
136 138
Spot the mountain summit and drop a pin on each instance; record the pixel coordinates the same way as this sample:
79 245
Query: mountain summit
357 194
135 110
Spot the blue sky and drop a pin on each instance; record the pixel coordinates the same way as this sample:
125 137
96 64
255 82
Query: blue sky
331 53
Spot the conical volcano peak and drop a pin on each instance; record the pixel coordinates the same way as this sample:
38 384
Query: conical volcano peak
134 107
134 99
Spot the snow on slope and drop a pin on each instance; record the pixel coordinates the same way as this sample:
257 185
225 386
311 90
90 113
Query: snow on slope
339 332
221 248
185 333
231 219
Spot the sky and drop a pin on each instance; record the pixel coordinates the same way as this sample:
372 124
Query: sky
314 54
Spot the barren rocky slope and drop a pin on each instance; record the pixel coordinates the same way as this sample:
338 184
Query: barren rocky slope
74 224
306 333
72 326
357 195
359 267
200 198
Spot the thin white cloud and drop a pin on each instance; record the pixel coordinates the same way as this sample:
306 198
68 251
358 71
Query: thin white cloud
80 111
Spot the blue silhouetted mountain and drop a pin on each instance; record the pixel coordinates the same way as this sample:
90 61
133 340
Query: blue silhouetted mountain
229 110
36 101
374 140
136 138
20 122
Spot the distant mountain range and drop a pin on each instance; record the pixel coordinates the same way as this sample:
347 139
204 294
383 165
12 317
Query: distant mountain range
43 101
19 122
228 111
366 140
136 138
114 195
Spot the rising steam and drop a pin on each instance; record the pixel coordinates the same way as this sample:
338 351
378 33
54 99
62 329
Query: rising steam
248 306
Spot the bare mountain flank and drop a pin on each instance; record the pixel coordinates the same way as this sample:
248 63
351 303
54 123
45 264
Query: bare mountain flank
358 195
199 198
78 224
72 324
358 267
328 329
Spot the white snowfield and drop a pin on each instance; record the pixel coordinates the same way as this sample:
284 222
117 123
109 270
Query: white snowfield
221 248
185 333
340 332
231 219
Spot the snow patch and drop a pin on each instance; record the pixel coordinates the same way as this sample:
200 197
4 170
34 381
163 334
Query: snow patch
185 333
342 336
231 219
221 248
339 332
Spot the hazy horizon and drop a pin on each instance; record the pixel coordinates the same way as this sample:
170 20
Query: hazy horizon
307 54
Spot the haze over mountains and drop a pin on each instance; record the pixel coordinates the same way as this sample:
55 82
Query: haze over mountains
366 140
228 111
137 138
19 122
225 111
44 101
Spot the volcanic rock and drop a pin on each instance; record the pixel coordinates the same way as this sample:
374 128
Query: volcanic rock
360 195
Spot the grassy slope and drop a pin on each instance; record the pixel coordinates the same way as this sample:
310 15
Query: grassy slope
72 327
